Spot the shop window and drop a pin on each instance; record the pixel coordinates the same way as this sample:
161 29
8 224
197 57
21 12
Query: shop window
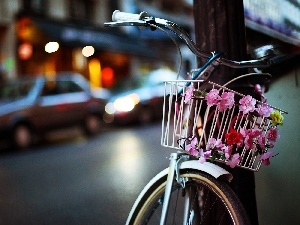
36 6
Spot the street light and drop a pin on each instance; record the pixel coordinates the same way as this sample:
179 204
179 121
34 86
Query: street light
51 47
88 51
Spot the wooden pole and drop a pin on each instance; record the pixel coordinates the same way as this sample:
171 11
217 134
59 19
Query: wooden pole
220 27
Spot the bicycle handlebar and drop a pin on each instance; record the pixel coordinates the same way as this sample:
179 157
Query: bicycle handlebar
143 19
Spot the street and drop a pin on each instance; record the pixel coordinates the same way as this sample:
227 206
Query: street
71 179
78 180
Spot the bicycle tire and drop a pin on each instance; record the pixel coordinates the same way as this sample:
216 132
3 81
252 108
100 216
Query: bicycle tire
217 202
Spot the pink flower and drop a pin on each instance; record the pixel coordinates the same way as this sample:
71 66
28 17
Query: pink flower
247 104
273 135
227 101
212 97
227 151
270 145
204 155
193 151
234 160
249 144
188 94
264 110
253 133
219 144
213 144
266 158
250 135
192 147
258 90
262 142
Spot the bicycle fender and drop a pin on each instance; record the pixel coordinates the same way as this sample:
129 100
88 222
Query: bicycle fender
207 167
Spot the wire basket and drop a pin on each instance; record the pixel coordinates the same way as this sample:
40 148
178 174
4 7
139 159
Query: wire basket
212 122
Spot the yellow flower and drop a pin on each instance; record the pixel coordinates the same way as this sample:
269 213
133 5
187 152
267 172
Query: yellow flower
276 118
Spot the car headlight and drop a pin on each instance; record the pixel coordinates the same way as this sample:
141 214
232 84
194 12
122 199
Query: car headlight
123 104
110 108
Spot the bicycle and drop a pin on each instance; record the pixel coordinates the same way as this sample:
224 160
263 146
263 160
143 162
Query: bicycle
215 126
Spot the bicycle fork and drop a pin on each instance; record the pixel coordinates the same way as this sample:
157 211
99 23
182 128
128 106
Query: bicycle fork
174 167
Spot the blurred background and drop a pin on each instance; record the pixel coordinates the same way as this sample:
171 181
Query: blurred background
47 37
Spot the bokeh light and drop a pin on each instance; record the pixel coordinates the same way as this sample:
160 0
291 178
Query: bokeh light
51 47
88 51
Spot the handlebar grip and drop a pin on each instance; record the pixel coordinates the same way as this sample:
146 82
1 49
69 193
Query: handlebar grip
118 16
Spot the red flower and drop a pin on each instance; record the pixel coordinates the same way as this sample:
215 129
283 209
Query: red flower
234 137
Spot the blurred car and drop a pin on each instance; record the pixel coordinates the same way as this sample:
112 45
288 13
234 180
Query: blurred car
138 100
35 105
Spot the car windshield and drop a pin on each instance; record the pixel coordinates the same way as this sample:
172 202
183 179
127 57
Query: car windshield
154 78
15 90
128 84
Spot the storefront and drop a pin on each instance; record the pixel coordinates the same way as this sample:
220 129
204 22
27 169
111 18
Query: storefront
46 46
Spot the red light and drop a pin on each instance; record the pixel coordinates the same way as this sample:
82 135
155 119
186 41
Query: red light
108 76
25 51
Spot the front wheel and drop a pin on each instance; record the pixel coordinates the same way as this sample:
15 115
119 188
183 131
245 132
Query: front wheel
22 136
92 124
146 115
204 200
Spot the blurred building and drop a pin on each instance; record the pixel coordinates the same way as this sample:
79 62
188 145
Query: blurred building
46 36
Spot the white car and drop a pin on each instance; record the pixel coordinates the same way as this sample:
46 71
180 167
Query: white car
32 106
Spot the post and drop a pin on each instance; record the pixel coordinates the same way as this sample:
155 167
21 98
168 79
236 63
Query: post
220 27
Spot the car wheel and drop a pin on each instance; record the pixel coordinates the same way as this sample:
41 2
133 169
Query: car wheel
146 115
22 136
92 124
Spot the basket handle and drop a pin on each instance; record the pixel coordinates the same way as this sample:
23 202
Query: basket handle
246 75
